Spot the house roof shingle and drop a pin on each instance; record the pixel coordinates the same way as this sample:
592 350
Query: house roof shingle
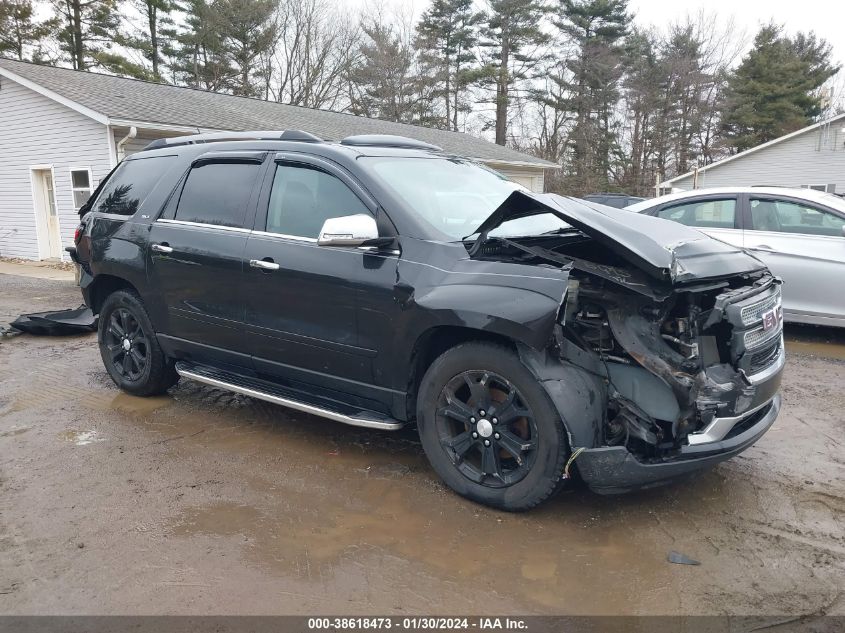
144 102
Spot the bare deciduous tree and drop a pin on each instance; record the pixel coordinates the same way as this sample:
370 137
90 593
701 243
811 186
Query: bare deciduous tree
313 53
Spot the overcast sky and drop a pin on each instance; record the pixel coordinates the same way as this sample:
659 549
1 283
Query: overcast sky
825 17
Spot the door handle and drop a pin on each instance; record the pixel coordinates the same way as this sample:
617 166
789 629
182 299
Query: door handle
263 264
162 248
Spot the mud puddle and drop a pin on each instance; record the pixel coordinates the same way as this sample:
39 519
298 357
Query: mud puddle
81 438
820 341
202 501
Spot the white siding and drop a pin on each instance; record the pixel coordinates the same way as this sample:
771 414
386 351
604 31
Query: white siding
35 130
141 140
531 177
816 157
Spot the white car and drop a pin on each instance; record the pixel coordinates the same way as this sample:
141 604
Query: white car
798 233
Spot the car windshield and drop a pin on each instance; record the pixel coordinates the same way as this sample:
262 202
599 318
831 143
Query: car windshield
455 196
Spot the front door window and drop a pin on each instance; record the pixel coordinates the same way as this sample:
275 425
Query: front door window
704 214
784 216
303 198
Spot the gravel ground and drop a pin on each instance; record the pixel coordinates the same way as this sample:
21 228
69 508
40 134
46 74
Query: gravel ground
205 502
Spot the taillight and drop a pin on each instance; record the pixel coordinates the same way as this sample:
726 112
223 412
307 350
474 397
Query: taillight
77 234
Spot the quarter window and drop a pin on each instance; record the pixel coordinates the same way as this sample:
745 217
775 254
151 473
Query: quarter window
705 214
303 198
792 217
218 193
130 184
80 182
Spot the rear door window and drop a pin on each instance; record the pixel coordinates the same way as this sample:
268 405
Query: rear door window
785 216
130 184
705 214
218 193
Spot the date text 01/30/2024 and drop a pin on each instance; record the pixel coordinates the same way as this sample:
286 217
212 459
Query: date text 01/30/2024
417 623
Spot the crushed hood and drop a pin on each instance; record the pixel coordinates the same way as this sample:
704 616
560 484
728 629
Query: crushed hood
663 249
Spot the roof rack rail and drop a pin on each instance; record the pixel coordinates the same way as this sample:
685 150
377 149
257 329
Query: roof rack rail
388 140
210 137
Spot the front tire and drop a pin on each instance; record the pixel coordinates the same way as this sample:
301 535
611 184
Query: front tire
128 346
489 429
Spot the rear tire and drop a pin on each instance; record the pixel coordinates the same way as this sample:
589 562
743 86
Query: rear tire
129 348
489 429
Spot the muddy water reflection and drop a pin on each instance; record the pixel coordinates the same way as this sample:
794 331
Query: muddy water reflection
350 497
303 498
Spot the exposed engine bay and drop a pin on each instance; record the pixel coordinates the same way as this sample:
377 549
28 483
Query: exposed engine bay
678 359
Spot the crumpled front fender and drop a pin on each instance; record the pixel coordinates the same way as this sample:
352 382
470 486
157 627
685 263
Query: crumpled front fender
578 396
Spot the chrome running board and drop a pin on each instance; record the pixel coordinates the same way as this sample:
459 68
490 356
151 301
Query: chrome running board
261 390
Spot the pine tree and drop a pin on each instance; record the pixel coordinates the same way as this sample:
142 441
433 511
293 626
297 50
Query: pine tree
596 29
19 30
385 82
88 31
446 35
247 32
683 81
513 37
154 39
775 90
641 92
200 57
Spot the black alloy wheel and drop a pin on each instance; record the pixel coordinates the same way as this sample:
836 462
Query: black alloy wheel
486 428
489 428
128 347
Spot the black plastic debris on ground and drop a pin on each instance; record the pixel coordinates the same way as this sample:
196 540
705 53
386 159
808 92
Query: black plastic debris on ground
57 323
680 559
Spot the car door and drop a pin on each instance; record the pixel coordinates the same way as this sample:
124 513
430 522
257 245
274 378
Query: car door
196 256
802 243
716 215
305 302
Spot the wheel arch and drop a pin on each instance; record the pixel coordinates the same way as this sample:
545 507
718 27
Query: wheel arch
102 286
564 383
579 397
433 342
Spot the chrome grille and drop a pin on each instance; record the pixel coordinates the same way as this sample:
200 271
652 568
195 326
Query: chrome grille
764 357
753 313
758 336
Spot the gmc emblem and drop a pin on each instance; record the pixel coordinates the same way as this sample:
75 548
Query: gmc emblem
770 319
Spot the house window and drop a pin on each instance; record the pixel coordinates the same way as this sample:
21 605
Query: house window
827 188
82 186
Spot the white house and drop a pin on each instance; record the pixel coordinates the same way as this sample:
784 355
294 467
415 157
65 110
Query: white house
812 157
62 131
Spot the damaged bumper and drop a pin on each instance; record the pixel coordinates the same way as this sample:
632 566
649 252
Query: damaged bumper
667 351
613 469
766 385
686 383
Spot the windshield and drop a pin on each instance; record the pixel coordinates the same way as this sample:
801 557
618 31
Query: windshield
455 196
833 201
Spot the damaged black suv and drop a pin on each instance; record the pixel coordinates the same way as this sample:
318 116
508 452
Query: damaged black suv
379 282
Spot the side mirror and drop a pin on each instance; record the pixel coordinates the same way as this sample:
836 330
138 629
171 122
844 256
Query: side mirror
350 230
